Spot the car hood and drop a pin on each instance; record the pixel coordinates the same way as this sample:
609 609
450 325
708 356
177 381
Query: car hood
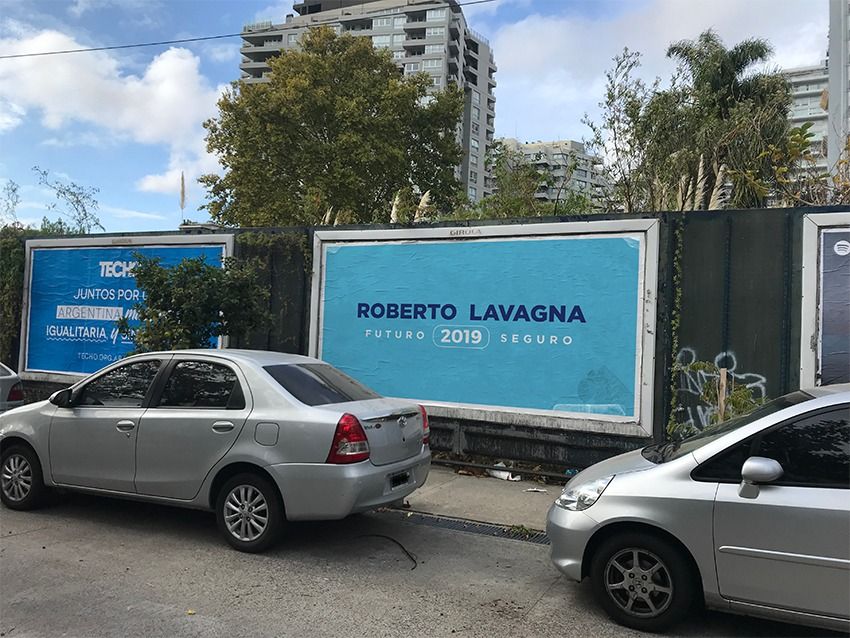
629 462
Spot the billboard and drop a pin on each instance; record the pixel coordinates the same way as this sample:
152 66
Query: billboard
825 334
540 319
78 288
834 280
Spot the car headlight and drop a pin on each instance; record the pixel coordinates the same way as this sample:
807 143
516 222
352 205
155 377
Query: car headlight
582 496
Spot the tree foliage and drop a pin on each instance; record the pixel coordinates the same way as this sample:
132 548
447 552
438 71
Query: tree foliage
517 182
187 305
75 202
337 126
686 146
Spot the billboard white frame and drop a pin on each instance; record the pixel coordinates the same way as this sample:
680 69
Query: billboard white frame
142 241
810 320
638 425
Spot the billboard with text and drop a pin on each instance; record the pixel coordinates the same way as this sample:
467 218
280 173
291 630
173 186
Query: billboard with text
537 322
77 290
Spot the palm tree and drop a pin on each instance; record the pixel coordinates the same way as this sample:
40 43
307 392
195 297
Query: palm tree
722 76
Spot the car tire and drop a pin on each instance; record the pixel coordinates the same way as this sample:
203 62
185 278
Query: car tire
250 513
21 481
653 595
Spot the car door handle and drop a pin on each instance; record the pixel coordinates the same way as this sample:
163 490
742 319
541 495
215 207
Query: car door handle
125 426
222 426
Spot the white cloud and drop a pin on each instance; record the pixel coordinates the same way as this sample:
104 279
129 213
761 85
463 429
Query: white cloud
276 12
164 105
11 114
551 68
222 52
126 213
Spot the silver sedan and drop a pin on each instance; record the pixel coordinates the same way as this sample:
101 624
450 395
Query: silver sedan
751 516
261 438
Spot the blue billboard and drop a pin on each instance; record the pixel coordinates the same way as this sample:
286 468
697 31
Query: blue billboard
77 293
544 323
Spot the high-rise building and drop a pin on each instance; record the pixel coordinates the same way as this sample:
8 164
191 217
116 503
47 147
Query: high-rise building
821 93
839 78
809 94
422 35
567 163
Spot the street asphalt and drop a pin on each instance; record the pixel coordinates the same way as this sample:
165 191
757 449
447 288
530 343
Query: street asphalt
87 567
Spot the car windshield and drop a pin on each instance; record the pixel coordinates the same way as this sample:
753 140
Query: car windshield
319 384
664 452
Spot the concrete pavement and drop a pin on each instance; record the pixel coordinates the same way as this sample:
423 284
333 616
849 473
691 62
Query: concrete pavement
485 499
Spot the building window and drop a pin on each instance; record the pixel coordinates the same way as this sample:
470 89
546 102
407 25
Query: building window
473 143
476 97
398 38
475 128
437 80
435 15
381 40
398 55
292 38
472 192
473 176
435 32
399 21
382 22
473 159
411 67
434 48
337 28
433 63
476 113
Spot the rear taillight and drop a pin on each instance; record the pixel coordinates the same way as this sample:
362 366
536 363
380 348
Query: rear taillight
426 429
16 392
349 444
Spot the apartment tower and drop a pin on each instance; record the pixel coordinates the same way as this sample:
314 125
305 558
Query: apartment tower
422 35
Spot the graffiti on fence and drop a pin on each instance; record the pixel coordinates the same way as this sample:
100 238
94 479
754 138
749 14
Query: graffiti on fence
693 381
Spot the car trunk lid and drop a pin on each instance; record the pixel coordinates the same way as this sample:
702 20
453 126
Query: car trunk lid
393 428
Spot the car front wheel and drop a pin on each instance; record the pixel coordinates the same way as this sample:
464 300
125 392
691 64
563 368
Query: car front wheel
21 484
643 581
249 513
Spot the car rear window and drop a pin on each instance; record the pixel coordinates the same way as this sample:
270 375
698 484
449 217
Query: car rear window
319 384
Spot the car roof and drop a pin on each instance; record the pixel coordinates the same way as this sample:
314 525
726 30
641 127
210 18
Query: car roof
828 390
256 357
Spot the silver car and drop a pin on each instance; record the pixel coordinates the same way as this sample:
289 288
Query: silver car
261 438
751 516
11 389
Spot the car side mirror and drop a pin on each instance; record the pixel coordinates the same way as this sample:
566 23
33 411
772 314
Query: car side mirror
757 470
62 398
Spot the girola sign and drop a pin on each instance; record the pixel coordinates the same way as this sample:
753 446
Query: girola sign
535 319
76 289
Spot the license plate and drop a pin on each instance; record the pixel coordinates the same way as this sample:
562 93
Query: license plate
397 480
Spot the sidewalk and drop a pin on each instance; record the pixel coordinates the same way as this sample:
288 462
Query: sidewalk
484 499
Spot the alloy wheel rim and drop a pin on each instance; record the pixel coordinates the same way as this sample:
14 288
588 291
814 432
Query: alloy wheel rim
16 478
639 582
246 513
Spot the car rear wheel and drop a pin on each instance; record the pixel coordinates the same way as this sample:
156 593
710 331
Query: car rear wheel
249 513
643 581
21 483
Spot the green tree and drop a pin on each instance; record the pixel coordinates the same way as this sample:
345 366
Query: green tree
77 203
685 147
516 184
187 305
337 127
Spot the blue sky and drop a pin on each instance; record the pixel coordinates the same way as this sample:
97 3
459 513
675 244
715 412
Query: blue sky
128 122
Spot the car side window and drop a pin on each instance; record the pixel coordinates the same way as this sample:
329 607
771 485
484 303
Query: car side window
202 384
726 466
814 451
123 387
